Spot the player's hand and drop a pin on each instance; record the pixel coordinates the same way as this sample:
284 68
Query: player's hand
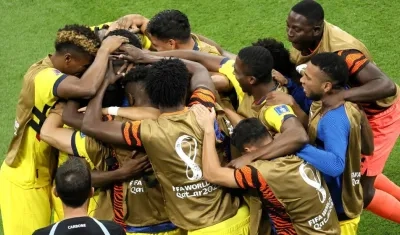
241 161
204 117
277 76
131 53
133 22
112 43
279 97
104 111
111 76
133 167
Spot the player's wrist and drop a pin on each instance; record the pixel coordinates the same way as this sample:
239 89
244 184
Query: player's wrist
113 110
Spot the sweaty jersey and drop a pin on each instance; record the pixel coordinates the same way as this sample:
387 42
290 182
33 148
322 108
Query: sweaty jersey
30 162
293 194
173 143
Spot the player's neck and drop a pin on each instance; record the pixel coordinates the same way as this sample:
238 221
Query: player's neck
172 110
75 212
189 45
326 96
261 90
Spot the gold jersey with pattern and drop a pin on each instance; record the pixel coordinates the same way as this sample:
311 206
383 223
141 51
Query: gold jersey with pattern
293 194
173 144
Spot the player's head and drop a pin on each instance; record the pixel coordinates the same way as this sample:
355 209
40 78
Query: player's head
133 39
101 31
167 83
304 24
135 83
280 55
253 66
249 135
324 73
76 46
73 184
167 29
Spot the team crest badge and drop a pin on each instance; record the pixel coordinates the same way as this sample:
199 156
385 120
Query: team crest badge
281 109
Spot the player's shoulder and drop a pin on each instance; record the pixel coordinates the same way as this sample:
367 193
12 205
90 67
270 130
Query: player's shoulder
45 230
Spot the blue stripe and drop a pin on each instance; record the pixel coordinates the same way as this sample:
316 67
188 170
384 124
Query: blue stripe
223 61
159 228
73 145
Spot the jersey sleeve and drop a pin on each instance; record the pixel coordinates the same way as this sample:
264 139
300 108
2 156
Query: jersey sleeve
227 69
248 177
355 60
202 96
131 133
275 116
47 82
88 148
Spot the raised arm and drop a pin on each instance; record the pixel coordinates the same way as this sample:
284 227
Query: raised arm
211 165
89 83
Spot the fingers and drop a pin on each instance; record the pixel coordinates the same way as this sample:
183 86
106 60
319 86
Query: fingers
130 66
81 110
123 67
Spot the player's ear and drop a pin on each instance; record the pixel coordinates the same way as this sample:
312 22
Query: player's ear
91 192
317 29
55 191
172 43
67 58
252 80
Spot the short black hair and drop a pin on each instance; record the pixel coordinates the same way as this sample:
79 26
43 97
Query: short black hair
280 55
114 95
73 182
137 74
167 83
311 10
248 131
133 39
259 63
334 66
79 38
170 24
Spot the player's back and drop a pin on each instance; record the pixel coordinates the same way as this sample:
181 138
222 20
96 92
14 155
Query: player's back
29 161
173 143
296 197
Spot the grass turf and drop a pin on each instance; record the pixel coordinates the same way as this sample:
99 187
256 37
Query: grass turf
29 28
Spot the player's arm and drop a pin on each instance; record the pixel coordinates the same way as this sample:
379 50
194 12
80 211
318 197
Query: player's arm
216 45
53 133
134 113
71 116
374 84
212 169
233 116
211 62
130 169
86 86
112 132
335 127
367 136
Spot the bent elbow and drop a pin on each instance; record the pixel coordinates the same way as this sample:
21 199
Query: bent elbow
45 134
303 139
391 88
336 172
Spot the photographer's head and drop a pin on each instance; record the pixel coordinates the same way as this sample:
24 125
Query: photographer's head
73 184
